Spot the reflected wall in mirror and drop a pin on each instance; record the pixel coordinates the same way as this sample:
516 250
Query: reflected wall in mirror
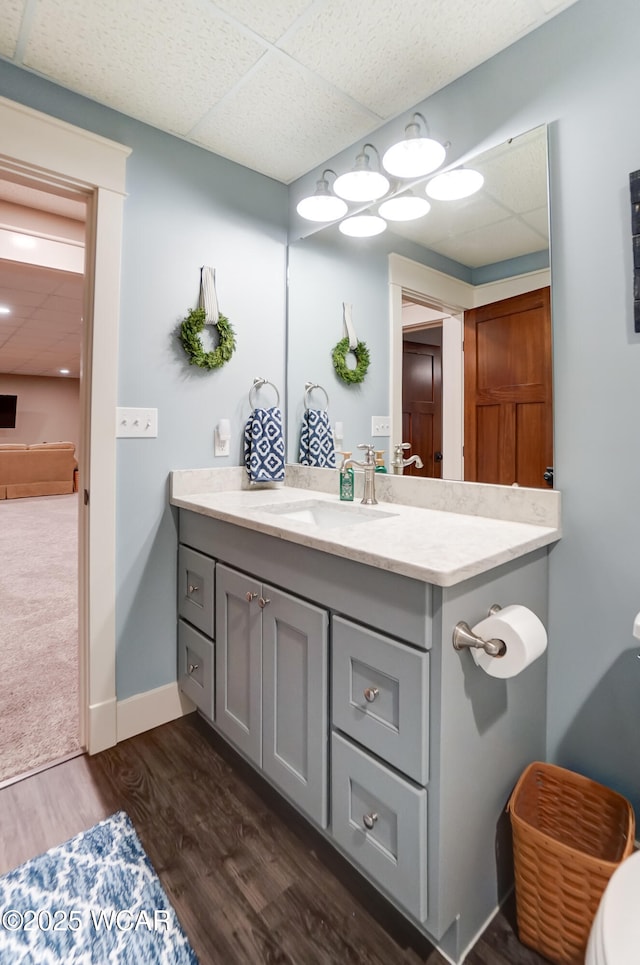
426 282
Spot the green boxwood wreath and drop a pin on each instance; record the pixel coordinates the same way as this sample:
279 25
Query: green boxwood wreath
189 335
339 356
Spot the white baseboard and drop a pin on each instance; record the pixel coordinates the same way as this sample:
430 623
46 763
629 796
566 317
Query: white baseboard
101 731
150 709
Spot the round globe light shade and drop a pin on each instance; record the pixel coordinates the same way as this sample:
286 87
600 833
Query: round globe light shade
405 207
361 185
322 207
413 157
453 185
362 226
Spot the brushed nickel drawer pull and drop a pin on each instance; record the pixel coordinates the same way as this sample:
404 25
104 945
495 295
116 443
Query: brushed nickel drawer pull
263 603
371 693
249 596
193 588
369 820
193 667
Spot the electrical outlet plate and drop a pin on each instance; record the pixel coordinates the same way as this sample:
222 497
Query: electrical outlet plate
380 425
220 446
136 423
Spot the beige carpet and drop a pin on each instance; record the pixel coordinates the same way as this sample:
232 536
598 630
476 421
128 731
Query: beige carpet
39 715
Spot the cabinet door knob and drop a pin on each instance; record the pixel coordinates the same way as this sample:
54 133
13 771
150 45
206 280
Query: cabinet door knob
371 693
369 820
193 666
249 596
193 588
263 603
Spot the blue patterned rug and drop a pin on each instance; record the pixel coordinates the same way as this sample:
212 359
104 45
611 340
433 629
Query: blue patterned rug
92 901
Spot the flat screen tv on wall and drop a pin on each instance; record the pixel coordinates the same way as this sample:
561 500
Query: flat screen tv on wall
8 404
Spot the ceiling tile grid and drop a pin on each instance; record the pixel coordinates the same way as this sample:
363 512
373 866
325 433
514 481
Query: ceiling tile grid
313 120
164 63
187 66
10 20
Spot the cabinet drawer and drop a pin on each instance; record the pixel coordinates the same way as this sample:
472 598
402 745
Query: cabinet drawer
195 667
195 589
381 696
380 820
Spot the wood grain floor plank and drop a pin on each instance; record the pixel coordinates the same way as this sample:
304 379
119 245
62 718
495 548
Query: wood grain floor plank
251 881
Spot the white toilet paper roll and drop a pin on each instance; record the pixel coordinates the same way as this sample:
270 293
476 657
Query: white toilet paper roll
524 637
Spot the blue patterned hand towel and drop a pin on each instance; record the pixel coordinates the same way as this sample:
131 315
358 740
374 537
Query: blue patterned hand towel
264 445
317 447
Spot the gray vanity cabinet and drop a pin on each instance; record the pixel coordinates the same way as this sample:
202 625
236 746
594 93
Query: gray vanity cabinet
425 746
271 684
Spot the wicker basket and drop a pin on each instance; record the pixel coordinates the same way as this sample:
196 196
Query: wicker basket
569 836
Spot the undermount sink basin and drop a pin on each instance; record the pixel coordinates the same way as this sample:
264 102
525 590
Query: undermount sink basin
323 515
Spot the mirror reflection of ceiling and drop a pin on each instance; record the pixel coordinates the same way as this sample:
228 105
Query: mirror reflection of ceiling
508 217
264 73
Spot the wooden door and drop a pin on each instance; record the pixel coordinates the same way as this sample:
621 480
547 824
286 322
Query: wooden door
422 406
508 421
238 661
295 700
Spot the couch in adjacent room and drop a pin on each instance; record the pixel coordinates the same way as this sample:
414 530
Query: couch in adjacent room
41 469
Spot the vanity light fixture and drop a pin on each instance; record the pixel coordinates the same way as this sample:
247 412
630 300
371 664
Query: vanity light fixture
362 226
322 205
404 207
416 155
454 185
362 183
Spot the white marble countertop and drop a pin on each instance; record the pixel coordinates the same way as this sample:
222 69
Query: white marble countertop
431 545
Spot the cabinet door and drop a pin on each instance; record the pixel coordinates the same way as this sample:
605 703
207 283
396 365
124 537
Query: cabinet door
295 729
239 660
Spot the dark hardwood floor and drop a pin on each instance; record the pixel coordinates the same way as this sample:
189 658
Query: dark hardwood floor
250 881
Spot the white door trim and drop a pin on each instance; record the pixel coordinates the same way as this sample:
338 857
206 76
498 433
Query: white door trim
55 152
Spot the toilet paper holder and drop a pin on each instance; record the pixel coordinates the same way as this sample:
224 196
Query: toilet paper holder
464 638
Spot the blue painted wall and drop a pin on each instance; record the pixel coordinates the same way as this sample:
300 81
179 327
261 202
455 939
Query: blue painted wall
185 208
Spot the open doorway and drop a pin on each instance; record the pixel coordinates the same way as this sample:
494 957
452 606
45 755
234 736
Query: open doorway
59 155
42 248
422 386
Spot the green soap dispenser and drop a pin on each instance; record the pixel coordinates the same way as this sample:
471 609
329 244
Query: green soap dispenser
346 479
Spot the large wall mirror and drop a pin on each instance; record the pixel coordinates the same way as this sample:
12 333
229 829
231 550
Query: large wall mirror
477 270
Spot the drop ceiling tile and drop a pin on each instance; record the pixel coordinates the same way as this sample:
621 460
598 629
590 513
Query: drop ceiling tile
516 175
446 218
295 119
17 299
165 63
539 221
386 57
10 19
555 6
270 19
492 244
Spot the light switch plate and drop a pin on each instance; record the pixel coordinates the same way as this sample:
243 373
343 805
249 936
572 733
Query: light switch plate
380 425
136 423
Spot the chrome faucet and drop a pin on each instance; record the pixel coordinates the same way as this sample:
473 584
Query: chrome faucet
369 469
399 463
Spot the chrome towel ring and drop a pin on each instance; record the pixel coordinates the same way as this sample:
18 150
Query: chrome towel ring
308 389
257 384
